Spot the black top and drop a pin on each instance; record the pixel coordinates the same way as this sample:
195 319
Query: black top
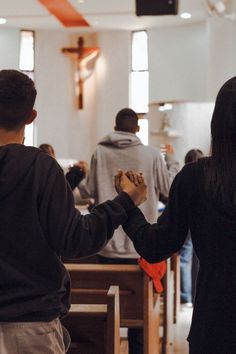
38 224
213 230
74 176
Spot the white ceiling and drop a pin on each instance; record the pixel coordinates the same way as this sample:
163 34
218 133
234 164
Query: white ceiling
101 14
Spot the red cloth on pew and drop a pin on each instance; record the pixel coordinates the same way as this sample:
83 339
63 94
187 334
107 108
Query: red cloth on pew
155 270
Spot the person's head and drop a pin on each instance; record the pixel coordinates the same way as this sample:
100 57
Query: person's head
127 121
220 175
223 124
17 97
48 149
193 155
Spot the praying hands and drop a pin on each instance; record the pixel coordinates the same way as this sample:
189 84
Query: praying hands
133 184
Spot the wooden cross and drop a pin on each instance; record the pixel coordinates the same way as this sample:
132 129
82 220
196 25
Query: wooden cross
85 59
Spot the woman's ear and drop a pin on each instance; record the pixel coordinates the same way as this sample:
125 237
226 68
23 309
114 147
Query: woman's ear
32 117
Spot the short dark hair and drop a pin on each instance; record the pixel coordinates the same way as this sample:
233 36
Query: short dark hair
193 155
126 120
17 97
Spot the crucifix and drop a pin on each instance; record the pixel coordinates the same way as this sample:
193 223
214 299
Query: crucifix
85 60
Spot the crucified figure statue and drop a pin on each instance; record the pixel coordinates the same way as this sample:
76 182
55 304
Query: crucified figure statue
85 59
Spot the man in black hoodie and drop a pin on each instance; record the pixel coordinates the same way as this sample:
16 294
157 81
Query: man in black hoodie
38 224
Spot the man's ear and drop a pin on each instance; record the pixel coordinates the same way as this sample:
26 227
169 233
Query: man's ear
115 127
137 129
32 117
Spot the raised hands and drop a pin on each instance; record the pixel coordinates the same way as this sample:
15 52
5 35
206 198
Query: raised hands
83 165
133 184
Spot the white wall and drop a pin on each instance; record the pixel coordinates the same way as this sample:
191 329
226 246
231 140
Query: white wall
222 53
178 63
190 63
190 122
193 122
9 49
74 133
112 78
60 122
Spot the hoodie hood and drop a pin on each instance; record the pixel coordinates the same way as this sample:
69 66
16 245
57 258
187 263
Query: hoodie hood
15 162
120 139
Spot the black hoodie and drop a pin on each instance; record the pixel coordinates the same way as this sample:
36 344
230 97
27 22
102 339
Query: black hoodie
38 224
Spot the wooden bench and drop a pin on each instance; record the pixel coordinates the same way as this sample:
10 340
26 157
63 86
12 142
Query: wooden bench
168 310
139 304
175 267
95 328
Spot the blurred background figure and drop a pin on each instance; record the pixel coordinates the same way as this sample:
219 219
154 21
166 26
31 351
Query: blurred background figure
188 260
74 175
48 149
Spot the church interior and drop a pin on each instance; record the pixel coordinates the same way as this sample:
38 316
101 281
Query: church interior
91 58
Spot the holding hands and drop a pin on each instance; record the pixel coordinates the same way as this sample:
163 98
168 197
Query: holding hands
133 184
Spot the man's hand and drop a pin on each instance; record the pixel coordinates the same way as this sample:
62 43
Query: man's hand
133 184
136 178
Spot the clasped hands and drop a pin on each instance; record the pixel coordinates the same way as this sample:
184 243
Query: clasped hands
133 184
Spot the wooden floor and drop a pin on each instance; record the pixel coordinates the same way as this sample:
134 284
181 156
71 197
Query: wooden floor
181 331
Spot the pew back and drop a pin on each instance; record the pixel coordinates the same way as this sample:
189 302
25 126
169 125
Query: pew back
139 304
94 328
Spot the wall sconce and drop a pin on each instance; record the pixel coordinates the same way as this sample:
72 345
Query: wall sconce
165 107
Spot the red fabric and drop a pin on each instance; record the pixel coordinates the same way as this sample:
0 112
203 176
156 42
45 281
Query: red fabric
155 270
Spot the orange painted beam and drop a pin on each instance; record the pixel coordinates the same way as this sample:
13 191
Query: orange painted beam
65 13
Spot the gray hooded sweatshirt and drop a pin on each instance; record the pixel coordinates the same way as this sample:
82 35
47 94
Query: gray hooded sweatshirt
125 151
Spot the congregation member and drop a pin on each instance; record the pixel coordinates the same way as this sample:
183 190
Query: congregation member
74 176
38 225
203 200
122 149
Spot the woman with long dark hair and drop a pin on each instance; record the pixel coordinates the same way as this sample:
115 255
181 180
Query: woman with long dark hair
202 199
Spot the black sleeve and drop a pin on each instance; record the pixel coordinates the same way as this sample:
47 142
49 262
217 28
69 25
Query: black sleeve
68 232
74 176
159 241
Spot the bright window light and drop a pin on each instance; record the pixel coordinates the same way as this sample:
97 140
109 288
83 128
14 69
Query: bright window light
139 81
143 130
139 91
3 21
27 51
186 15
29 135
139 51
26 65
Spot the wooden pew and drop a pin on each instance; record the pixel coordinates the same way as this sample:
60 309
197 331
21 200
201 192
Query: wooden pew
139 304
175 267
95 328
168 310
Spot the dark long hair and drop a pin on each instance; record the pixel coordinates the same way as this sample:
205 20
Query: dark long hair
221 171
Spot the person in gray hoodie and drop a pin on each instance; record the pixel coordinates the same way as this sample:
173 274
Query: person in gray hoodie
122 149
